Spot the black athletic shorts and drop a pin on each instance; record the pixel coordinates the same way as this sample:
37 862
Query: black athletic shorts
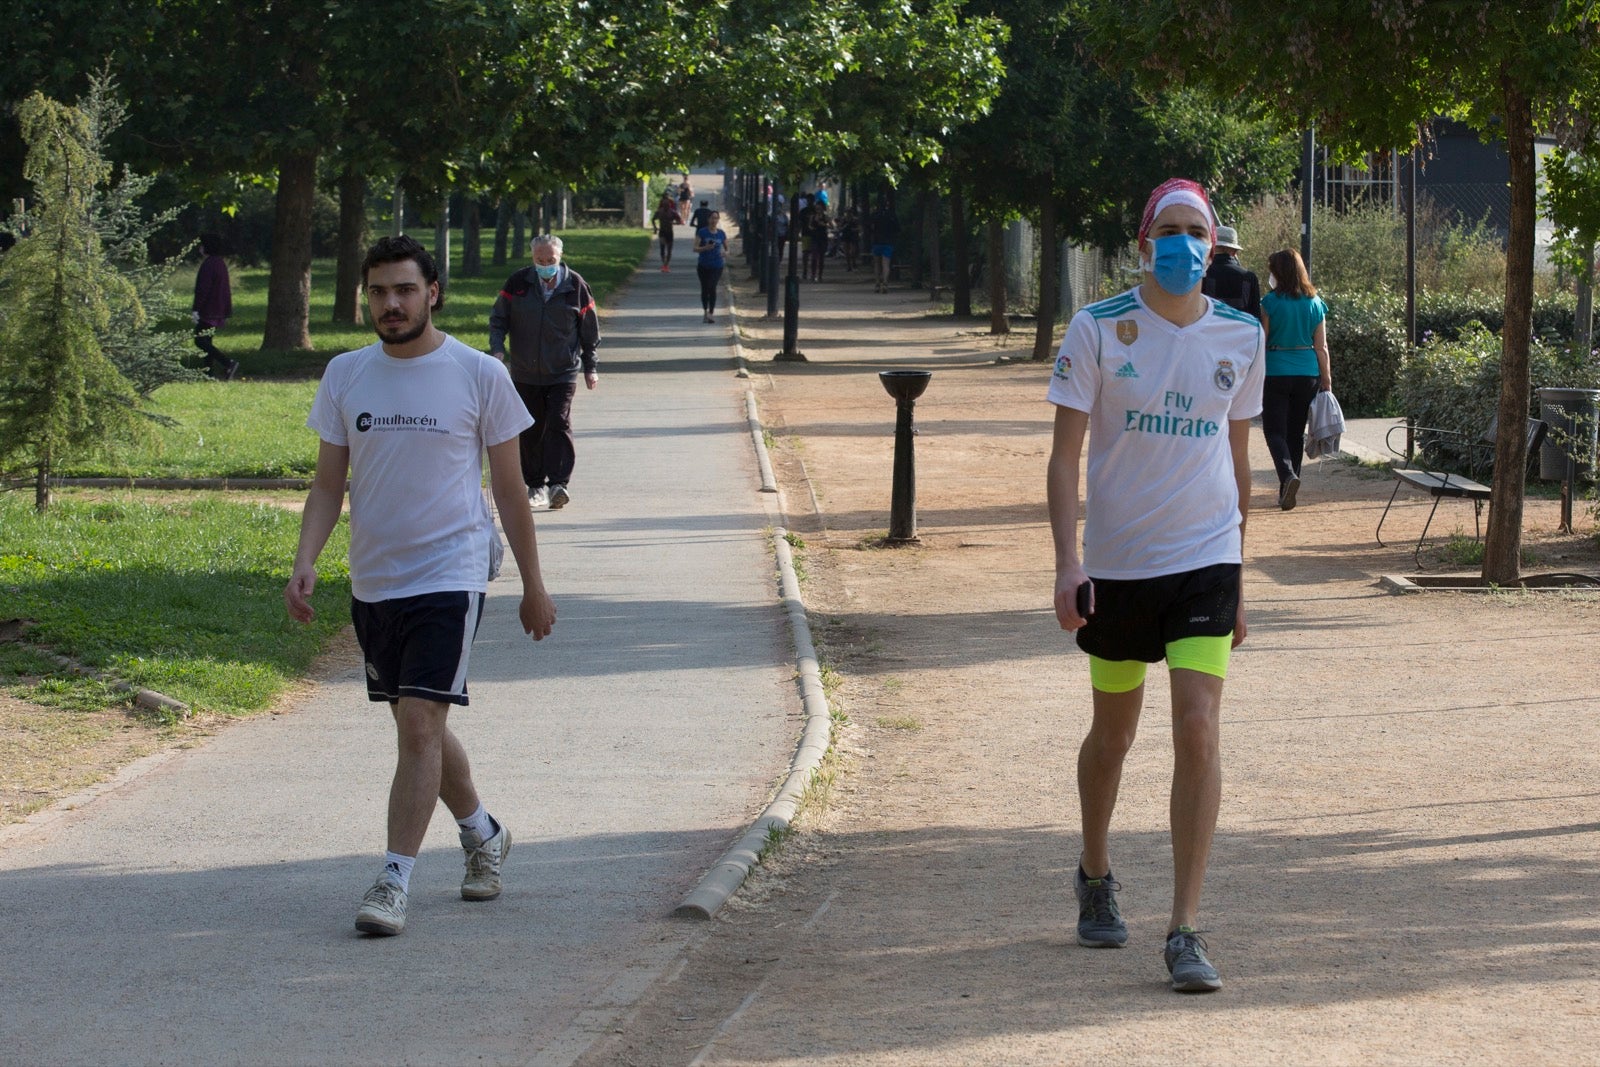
418 646
1137 619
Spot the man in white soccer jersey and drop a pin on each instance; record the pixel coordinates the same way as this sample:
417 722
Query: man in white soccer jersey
408 418
1164 380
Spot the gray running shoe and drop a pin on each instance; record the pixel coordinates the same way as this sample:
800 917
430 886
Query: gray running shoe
1286 493
559 497
482 881
383 909
1192 971
1100 922
538 498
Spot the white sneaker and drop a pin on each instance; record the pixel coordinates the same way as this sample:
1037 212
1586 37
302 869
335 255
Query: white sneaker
559 497
482 881
538 498
383 909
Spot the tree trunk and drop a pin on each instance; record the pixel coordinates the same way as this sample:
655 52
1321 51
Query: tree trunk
41 485
996 266
352 248
1502 554
1583 326
289 280
502 229
398 210
441 240
519 236
1049 282
919 258
930 241
963 254
471 239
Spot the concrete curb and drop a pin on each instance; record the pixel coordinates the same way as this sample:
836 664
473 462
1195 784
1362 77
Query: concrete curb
753 415
729 873
724 879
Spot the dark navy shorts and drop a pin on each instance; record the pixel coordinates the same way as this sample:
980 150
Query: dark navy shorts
1139 618
418 646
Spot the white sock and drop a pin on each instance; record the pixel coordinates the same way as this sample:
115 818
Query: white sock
479 822
397 868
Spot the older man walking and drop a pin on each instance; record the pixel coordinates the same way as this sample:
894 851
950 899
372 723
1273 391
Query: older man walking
544 328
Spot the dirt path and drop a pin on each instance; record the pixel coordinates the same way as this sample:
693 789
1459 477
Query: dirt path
1404 870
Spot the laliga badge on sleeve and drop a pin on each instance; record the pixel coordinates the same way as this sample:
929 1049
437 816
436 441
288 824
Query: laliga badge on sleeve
1224 376
1127 331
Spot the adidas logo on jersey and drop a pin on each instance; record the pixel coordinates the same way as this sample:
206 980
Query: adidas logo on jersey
1127 371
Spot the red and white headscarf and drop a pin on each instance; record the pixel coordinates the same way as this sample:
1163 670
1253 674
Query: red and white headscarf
1177 191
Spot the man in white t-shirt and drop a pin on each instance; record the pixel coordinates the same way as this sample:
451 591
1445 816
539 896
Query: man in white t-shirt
1164 380
408 420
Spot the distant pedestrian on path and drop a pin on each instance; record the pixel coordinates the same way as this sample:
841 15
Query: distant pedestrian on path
545 318
701 214
1227 280
407 419
819 226
712 244
685 198
885 228
1298 366
1164 382
666 217
212 307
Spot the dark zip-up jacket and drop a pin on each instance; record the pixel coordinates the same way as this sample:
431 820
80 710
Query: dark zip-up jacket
1228 281
546 342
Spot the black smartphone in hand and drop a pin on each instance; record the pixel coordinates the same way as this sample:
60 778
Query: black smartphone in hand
1083 599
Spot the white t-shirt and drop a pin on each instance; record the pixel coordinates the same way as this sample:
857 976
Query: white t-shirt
416 430
1161 496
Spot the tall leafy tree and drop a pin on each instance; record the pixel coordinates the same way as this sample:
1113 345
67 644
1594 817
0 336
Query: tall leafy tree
1075 147
869 86
1368 75
60 392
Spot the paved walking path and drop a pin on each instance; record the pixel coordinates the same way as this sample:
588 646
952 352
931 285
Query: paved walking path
201 911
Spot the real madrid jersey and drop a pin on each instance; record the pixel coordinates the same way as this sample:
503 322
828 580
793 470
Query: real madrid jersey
416 430
1161 496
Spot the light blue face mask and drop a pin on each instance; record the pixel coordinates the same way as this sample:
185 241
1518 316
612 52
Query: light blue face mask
1179 262
546 272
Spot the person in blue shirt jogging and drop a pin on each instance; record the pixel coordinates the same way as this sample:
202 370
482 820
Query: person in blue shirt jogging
712 245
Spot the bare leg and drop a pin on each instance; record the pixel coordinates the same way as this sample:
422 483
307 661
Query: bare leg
1196 786
1111 734
432 764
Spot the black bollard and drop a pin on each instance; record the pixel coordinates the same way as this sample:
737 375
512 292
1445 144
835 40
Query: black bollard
905 386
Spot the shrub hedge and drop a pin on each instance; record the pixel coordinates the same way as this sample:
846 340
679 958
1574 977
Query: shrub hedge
1455 384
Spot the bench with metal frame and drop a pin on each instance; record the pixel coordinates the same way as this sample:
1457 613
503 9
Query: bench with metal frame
1442 484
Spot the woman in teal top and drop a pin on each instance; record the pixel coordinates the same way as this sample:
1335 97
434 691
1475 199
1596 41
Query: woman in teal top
1297 365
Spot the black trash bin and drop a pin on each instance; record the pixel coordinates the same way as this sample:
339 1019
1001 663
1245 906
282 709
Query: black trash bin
1573 416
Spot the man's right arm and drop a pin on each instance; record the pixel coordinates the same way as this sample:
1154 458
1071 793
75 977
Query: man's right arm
499 322
323 504
1061 492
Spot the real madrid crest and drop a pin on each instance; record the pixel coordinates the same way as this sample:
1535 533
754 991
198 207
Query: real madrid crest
1127 331
1224 376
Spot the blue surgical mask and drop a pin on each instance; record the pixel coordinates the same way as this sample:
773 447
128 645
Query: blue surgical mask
546 272
1179 262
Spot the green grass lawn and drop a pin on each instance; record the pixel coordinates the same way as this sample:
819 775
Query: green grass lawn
183 598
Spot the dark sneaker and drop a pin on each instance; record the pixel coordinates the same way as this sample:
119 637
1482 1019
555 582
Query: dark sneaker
1100 922
1287 491
1191 970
